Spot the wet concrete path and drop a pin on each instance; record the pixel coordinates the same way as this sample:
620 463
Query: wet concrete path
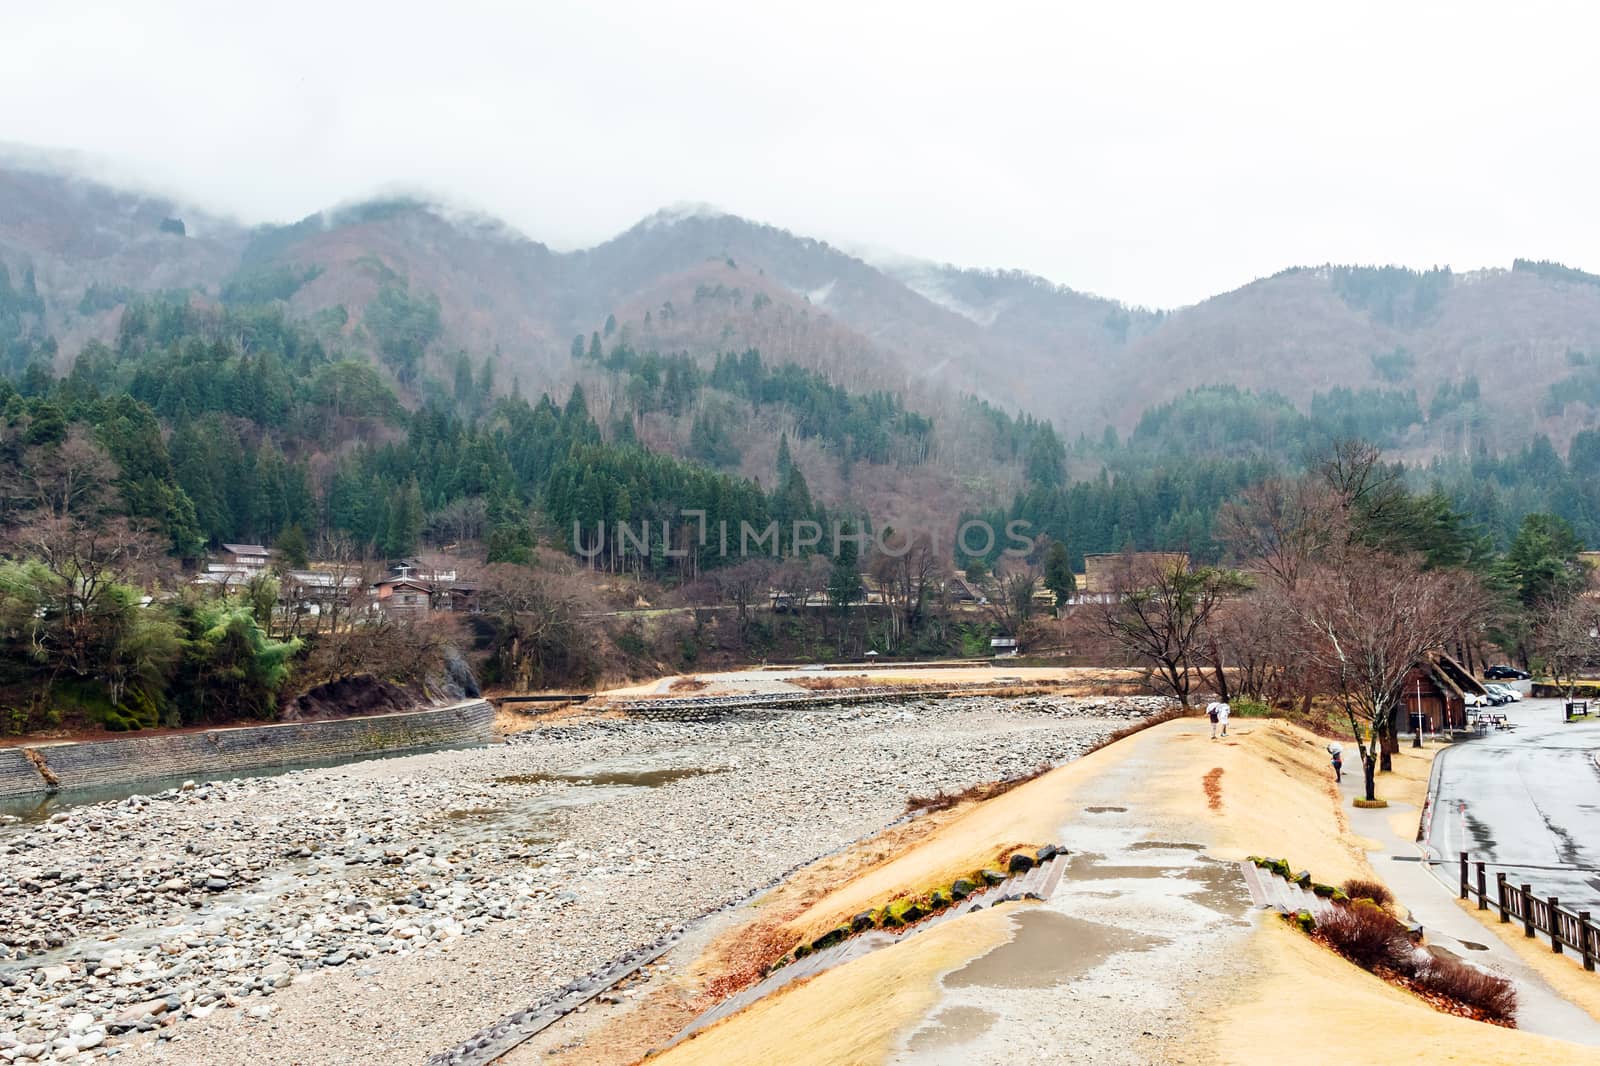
1527 802
1089 974
1428 893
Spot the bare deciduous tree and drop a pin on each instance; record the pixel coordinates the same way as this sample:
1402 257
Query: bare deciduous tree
1281 526
1367 618
908 575
1566 641
743 585
1158 613
534 615
75 478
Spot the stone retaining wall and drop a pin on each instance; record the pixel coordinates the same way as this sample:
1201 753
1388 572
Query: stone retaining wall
709 708
18 775
224 752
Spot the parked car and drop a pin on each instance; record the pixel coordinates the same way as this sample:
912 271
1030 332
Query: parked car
1511 695
1506 673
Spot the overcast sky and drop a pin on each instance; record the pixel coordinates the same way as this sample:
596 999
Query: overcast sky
1156 153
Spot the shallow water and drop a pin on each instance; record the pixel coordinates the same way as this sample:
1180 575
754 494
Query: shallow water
39 807
1048 948
625 778
951 1026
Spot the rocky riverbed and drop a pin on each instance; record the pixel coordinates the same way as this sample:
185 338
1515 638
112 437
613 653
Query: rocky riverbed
382 911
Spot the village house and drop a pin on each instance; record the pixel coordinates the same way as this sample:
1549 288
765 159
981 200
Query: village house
253 557
234 565
1104 573
463 597
403 597
308 593
418 570
1437 689
1591 562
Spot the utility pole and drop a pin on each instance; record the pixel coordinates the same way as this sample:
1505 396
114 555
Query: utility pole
1416 737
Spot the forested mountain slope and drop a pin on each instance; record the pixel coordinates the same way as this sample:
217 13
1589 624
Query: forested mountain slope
412 284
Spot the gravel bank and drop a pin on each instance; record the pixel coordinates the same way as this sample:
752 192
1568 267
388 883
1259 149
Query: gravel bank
386 910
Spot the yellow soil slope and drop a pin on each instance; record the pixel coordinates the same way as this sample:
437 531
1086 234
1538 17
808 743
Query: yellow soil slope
1273 796
1309 1004
850 1014
1277 798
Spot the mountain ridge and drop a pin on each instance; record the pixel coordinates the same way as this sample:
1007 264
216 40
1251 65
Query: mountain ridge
694 278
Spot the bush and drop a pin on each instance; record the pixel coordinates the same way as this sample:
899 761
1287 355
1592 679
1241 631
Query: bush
1359 888
1368 936
1247 708
1494 997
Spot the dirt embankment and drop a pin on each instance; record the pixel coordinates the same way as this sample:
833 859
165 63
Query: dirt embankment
1264 790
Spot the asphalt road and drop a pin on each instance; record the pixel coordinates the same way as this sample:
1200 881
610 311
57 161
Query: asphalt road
1527 802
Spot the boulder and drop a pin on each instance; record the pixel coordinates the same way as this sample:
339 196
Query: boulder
830 938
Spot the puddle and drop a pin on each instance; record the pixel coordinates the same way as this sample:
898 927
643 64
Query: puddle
1220 887
1048 948
1105 810
951 1026
1090 870
625 778
1163 845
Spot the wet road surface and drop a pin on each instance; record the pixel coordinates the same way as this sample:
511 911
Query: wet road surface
1526 802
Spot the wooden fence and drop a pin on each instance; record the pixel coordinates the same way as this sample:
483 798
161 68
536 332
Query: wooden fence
1538 915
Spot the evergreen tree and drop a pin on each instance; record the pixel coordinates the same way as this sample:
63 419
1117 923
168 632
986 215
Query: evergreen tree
785 460
1058 576
465 393
405 522
291 545
1542 566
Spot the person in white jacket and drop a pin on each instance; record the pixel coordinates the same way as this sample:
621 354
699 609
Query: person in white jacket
1217 711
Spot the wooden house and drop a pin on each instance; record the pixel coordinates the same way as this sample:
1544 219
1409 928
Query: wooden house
244 556
463 597
403 597
1437 689
1107 573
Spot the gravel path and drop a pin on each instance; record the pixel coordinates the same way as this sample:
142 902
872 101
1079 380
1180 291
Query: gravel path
386 910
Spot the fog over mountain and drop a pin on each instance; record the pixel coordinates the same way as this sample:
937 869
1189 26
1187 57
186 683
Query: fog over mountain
1522 336
1158 153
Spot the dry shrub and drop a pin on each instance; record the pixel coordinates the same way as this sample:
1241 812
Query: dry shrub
1367 936
943 801
828 684
1377 892
1492 997
687 684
